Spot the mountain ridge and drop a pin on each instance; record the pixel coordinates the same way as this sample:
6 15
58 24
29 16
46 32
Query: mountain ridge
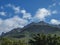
40 27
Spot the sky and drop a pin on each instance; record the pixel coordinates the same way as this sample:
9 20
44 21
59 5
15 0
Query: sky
19 13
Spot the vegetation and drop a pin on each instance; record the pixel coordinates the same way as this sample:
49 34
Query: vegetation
29 35
37 39
41 39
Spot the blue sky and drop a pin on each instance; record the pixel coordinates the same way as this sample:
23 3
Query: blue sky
18 13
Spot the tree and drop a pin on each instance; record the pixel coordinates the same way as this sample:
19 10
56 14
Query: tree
42 39
6 41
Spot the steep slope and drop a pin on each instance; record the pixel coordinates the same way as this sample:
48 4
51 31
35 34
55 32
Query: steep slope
13 33
41 27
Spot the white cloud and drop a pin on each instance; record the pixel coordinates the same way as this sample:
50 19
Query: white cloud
9 5
1 21
2 7
3 13
15 22
16 9
10 23
42 14
54 21
50 6
54 12
54 4
23 11
26 15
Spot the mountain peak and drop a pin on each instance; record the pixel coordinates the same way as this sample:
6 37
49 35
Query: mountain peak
33 28
42 23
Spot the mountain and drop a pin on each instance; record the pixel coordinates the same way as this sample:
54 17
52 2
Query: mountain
58 26
13 33
40 27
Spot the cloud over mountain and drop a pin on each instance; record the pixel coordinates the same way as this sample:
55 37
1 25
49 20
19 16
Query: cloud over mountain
17 21
11 23
42 13
54 21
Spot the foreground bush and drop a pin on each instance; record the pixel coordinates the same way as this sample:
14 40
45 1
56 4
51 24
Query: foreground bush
41 39
37 39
